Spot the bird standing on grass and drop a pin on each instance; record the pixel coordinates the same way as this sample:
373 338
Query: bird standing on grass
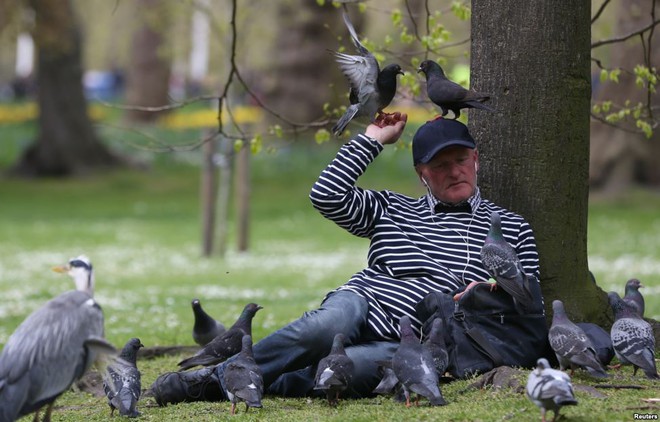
335 371
226 344
634 297
371 89
549 389
123 386
449 95
413 366
243 378
53 347
206 328
502 263
571 344
632 337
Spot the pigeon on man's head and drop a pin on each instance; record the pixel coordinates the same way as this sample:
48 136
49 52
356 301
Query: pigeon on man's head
502 263
634 297
335 371
206 328
414 367
549 389
632 337
571 344
449 95
123 388
243 378
372 89
226 344
435 343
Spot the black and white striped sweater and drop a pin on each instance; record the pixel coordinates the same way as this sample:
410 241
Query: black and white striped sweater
413 250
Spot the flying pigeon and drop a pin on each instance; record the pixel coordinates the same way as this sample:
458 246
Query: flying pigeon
501 261
414 367
634 297
449 95
632 337
435 343
53 347
335 371
371 89
571 344
549 389
123 389
227 344
243 378
205 328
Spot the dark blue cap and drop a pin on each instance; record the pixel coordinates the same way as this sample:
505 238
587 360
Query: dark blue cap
436 135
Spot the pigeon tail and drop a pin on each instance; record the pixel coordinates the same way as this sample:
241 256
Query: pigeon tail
125 402
350 113
478 104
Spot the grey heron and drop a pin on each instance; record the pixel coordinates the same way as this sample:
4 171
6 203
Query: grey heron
53 347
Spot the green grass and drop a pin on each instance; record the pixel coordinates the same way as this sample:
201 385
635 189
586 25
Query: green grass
142 231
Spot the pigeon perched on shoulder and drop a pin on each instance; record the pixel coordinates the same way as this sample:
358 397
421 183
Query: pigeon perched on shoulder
634 297
371 89
243 378
435 343
335 371
206 328
449 95
502 263
414 367
632 337
227 344
549 389
571 344
123 388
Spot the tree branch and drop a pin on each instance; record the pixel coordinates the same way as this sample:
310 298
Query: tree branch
625 37
600 11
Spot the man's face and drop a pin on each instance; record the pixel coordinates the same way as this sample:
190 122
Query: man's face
451 174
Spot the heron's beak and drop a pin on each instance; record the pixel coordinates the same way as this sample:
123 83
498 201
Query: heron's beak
61 269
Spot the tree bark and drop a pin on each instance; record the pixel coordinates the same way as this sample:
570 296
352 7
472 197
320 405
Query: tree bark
147 79
534 58
67 143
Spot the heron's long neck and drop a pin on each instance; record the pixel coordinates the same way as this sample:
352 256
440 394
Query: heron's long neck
85 282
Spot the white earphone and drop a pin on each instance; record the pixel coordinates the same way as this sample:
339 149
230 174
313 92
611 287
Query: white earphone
424 181
476 167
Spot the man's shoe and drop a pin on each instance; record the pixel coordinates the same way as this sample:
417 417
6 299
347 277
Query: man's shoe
177 387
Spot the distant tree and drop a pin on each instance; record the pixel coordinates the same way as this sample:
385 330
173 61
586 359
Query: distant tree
66 143
534 57
148 76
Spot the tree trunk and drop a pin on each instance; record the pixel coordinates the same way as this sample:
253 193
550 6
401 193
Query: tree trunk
534 58
295 85
619 158
66 143
147 79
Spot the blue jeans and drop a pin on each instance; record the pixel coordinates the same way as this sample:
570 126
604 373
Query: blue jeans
288 357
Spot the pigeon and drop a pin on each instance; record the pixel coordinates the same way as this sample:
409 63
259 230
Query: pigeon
634 297
632 337
335 371
449 95
243 378
501 261
388 382
549 389
123 387
414 367
226 344
572 345
205 328
435 343
371 89
53 347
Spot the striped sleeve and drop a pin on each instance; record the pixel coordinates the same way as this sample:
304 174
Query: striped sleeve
337 198
527 252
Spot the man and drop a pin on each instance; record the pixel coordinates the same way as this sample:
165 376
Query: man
418 245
